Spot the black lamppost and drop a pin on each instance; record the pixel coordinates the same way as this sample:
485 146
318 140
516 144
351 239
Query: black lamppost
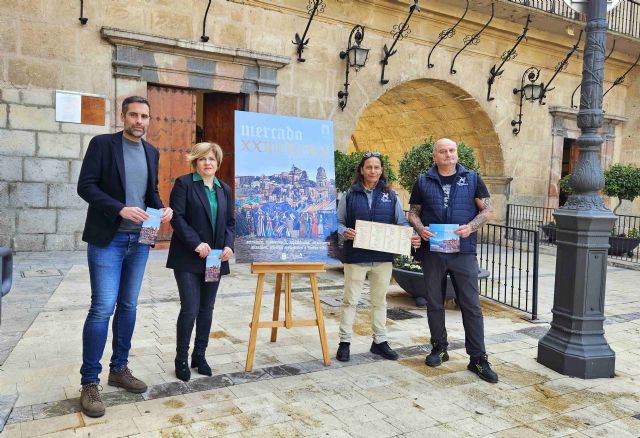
575 344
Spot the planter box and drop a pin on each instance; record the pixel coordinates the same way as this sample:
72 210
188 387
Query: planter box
619 246
413 284
550 232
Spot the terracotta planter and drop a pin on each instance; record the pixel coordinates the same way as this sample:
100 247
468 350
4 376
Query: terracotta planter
619 245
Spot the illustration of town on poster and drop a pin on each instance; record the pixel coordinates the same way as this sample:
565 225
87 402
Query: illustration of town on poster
285 196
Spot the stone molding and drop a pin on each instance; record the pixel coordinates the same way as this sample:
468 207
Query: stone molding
135 59
154 43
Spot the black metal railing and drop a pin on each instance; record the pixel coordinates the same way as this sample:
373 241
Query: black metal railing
624 239
512 265
624 18
531 218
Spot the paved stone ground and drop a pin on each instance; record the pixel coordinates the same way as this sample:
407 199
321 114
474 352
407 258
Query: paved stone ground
290 392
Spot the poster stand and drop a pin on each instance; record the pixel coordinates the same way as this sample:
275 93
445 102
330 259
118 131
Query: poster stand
285 270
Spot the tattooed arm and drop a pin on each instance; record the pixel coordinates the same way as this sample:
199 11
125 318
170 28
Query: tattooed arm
416 223
486 213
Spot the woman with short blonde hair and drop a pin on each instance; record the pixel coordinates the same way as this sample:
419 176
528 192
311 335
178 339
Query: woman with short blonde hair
199 150
202 221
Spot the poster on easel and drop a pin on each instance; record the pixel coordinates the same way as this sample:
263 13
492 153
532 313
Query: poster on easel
285 196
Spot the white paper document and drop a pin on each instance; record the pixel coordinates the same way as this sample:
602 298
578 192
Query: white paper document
375 236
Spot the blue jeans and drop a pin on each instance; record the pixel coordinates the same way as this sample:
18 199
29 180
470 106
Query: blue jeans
116 272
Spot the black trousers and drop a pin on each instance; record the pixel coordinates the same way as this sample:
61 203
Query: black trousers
463 269
196 306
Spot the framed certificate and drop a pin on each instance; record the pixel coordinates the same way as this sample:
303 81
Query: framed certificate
375 236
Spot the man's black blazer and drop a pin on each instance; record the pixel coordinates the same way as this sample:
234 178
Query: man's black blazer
102 185
192 224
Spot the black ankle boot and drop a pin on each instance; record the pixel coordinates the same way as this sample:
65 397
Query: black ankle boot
200 362
182 370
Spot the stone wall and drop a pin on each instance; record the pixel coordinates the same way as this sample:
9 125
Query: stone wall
40 162
44 48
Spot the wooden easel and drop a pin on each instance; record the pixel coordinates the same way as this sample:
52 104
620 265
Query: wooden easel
285 269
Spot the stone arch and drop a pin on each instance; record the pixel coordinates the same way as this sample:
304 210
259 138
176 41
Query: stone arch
418 109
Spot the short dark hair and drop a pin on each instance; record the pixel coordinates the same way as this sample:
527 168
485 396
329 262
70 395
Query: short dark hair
134 99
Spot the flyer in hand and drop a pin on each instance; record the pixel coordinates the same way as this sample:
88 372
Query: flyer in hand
212 266
445 240
375 236
150 227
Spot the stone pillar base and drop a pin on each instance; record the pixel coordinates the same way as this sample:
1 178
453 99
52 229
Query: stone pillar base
563 356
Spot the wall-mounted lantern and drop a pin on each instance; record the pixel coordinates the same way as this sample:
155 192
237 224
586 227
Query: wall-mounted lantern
529 91
355 57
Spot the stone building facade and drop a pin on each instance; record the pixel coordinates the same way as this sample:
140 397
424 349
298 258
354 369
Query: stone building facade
154 48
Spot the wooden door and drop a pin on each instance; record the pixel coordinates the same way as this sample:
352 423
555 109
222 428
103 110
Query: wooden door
574 153
172 130
219 128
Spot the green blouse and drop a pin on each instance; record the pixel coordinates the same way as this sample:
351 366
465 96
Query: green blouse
211 195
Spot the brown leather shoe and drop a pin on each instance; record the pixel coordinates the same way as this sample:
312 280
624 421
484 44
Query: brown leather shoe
90 401
124 379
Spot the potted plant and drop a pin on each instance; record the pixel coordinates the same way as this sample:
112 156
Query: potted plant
622 182
407 271
621 243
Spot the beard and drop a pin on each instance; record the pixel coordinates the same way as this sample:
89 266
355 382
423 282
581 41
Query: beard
137 134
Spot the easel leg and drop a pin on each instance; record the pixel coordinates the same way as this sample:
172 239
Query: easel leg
276 306
288 320
320 319
254 323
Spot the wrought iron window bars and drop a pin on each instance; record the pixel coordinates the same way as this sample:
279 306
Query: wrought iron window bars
204 38
83 20
399 32
562 65
507 56
315 7
447 33
471 39
621 79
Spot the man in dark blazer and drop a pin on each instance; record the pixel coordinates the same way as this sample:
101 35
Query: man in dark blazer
119 179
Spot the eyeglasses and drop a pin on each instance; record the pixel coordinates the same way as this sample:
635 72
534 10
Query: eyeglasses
372 154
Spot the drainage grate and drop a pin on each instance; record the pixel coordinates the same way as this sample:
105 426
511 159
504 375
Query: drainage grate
337 302
398 314
41 273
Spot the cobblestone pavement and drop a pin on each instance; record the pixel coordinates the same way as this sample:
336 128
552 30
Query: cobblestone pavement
290 392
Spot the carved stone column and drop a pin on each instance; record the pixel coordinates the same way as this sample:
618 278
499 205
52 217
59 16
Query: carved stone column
575 345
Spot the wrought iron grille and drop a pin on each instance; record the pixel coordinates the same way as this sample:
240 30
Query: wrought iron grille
624 240
624 18
513 267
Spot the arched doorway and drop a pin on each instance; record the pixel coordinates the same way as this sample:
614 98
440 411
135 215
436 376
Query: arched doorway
408 114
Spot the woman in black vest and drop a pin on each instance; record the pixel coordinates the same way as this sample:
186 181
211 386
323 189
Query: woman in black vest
202 221
370 198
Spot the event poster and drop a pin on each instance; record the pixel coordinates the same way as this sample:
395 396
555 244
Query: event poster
285 196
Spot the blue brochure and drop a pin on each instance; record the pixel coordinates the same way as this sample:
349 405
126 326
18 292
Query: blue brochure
212 266
445 240
150 227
